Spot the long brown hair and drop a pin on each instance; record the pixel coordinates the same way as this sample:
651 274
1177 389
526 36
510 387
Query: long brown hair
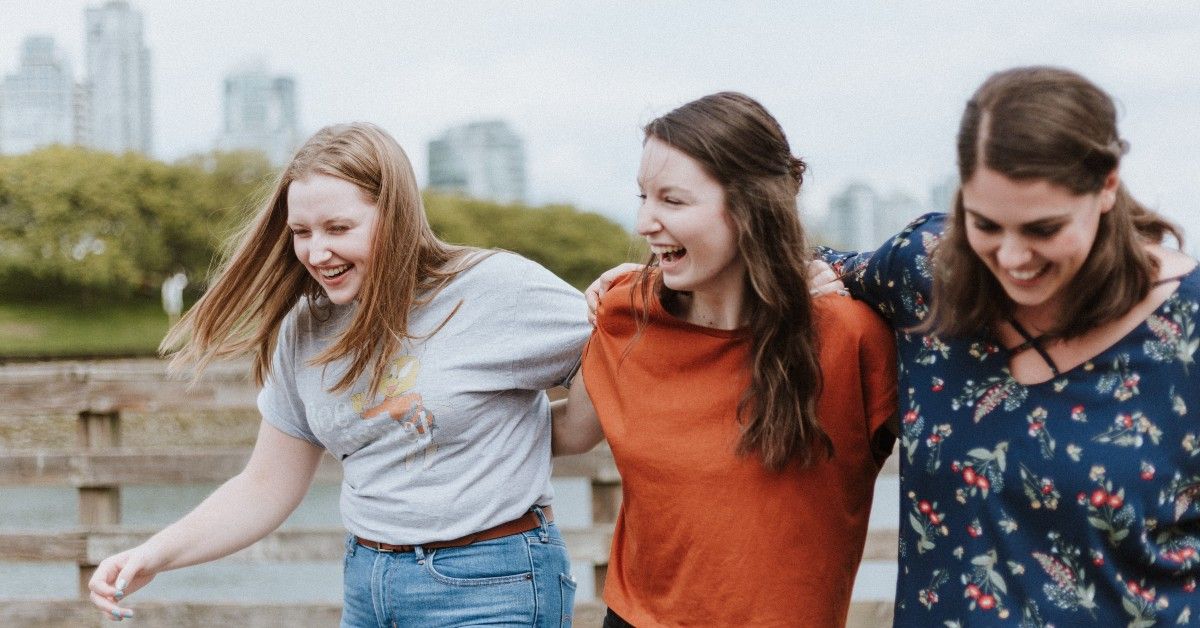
1051 124
261 279
743 148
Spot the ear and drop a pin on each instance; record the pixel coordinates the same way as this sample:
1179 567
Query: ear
1108 193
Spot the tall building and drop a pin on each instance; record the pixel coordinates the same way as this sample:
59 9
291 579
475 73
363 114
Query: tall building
37 102
260 114
860 219
481 159
118 75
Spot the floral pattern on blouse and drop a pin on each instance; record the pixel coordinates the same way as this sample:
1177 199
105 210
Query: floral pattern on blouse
1073 502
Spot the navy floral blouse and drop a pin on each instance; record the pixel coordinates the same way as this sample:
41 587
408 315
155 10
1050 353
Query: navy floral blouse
1075 502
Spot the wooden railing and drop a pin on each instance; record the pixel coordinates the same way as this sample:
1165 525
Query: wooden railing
99 395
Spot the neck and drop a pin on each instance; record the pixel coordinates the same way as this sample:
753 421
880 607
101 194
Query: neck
718 311
1038 319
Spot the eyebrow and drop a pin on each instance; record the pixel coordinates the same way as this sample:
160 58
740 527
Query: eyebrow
1037 223
326 221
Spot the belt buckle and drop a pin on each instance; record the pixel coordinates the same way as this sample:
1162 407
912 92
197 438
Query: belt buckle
375 545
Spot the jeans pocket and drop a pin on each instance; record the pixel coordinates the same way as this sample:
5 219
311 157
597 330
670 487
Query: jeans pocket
566 587
499 561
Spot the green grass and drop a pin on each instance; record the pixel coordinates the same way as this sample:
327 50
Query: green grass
32 330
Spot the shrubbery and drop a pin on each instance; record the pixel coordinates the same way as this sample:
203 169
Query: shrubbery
80 223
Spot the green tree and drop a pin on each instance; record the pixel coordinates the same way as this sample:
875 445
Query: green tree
75 221
575 245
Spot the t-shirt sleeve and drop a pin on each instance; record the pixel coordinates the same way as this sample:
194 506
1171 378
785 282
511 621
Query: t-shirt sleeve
279 400
547 326
895 279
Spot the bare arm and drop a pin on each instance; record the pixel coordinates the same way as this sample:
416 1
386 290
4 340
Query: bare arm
243 510
576 428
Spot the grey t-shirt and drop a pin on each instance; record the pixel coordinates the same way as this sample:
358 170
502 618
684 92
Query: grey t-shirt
457 439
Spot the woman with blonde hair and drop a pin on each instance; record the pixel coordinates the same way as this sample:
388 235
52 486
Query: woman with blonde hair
417 364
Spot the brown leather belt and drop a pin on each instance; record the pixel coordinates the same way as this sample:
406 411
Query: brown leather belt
524 523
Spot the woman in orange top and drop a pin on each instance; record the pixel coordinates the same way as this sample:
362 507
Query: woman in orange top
748 420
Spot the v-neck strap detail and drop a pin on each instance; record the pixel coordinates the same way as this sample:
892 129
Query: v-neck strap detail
1032 342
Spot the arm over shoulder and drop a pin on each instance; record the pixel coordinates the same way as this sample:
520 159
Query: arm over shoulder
890 277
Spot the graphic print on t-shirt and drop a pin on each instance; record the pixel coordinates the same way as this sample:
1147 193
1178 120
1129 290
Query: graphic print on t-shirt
404 406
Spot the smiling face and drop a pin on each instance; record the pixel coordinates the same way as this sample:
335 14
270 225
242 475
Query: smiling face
683 218
333 225
1033 236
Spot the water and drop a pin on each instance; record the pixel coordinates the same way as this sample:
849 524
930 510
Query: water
155 506
49 509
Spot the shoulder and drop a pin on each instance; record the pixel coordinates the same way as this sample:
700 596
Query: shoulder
313 318
842 320
505 269
619 299
622 305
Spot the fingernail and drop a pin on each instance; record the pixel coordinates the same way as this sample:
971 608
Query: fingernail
121 584
813 292
116 612
127 613
118 594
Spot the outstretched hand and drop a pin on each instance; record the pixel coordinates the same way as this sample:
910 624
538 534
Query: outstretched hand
116 577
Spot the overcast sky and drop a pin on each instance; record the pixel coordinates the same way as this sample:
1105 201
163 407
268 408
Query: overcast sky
866 91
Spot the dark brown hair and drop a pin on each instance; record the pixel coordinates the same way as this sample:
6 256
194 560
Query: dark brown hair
261 280
738 143
1042 123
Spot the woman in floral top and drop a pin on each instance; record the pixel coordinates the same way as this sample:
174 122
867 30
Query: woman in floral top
1050 448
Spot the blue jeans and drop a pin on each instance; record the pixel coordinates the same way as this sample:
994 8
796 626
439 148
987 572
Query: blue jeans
518 580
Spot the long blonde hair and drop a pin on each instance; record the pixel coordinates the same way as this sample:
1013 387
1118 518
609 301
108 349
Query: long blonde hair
261 280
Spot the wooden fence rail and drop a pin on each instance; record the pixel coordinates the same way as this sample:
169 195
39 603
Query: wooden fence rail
97 465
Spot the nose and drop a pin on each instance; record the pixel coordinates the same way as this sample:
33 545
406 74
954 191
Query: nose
318 251
647 221
1013 252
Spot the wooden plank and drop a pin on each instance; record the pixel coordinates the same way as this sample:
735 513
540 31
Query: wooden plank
150 614
31 546
301 544
286 545
881 544
596 464
72 613
35 468
115 385
127 465
181 465
869 614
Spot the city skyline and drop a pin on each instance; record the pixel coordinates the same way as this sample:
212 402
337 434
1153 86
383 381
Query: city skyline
865 92
483 159
260 113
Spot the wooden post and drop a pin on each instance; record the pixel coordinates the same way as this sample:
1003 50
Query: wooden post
98 505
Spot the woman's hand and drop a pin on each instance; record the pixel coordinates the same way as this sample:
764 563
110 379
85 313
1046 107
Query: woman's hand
595 291
821 280
118 576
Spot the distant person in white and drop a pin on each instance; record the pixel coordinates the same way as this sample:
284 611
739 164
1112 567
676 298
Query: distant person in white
172 295
418 365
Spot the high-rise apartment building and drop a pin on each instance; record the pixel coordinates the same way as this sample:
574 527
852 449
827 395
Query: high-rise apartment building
37 105
118 76
481 159
260 114
860 219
